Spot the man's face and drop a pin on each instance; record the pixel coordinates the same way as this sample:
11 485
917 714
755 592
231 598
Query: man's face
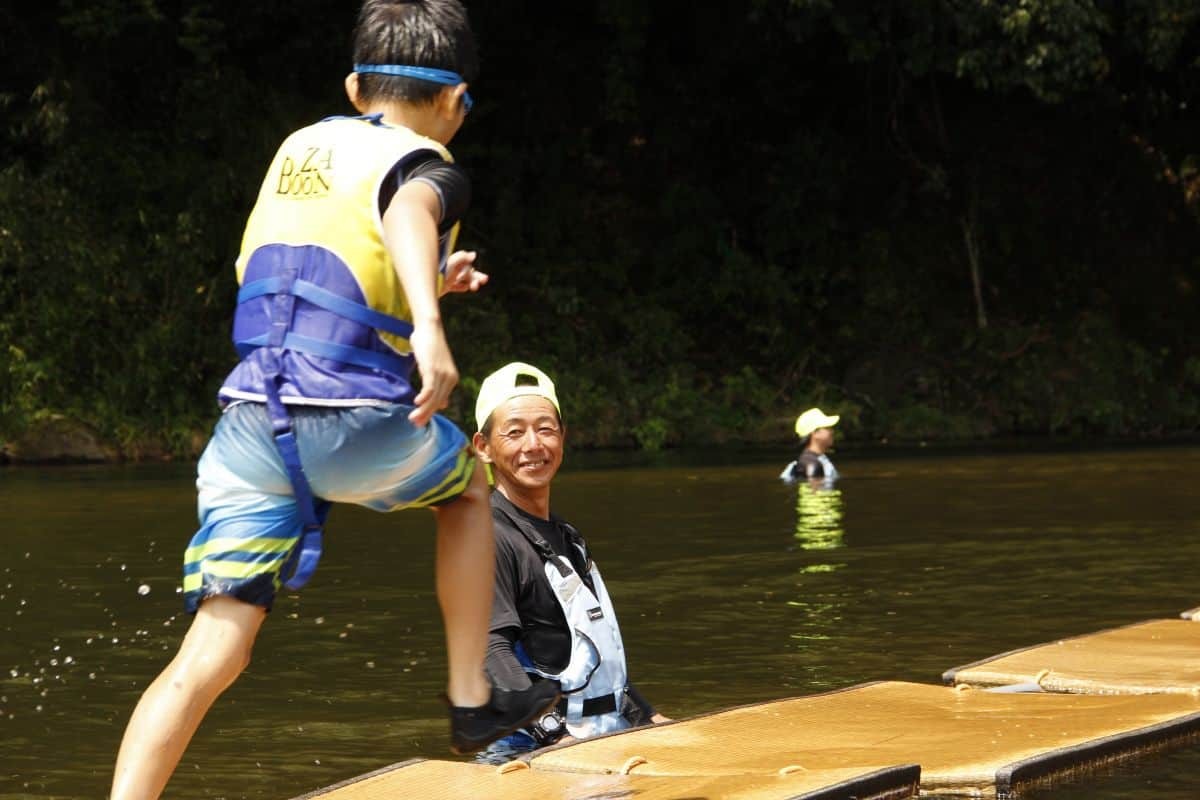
823 437
525 444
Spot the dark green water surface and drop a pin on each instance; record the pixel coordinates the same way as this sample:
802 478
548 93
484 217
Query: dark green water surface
731 588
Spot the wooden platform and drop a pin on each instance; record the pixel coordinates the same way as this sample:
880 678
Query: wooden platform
967 741
1096 698
1154 657
449 780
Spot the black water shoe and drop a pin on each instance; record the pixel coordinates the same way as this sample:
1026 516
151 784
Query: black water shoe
474 728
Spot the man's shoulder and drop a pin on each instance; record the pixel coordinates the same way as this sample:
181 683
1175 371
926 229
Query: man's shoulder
506 527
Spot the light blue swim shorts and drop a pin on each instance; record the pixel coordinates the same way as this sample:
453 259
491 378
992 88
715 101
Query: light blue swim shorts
367 455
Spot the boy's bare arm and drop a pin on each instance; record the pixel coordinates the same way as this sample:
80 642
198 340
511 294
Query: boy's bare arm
410 234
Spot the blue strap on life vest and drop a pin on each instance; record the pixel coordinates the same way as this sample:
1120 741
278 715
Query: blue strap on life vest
326 299
523 657
303 562
280 337
347 354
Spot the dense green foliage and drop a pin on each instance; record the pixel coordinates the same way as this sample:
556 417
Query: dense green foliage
941 218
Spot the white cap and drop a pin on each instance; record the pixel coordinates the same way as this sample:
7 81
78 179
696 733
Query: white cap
512 380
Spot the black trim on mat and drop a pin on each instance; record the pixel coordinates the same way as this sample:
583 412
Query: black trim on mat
890 783
1118 745
949 675
359 778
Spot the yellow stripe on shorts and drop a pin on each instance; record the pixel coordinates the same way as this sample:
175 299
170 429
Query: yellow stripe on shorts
455 483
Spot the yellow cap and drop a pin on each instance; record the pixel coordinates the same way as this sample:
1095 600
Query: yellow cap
512 380
812 419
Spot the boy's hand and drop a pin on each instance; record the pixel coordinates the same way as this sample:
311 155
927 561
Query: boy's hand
438 373
461 275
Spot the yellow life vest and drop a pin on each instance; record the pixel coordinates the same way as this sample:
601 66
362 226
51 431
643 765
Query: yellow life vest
317 221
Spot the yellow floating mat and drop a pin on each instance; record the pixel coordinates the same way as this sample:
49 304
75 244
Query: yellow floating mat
967 741
450 780
1159 656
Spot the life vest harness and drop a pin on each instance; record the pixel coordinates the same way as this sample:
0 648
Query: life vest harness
562 565
589 709
283 289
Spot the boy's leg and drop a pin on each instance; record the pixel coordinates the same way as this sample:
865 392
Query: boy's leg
466 567
214 652
465 571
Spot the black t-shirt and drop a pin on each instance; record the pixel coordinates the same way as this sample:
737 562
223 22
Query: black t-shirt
449 180
524 604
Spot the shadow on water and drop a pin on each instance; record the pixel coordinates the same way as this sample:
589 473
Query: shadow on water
732 588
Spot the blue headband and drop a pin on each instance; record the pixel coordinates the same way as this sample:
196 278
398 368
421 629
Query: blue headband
442 76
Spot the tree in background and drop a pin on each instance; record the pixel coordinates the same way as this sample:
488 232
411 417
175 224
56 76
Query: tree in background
948 218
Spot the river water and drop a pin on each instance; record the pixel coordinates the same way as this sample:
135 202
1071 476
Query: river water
731 588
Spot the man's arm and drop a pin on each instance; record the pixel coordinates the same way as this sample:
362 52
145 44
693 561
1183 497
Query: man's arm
502 665
647 710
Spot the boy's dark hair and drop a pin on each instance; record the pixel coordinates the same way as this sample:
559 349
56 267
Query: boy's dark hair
415 33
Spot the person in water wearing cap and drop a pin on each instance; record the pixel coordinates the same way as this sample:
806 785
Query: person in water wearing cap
546 626
344 256
815 429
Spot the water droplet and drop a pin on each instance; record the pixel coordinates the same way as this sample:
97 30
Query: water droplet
54 662
317 761
143 590
319 620
370 665
122 568
68 660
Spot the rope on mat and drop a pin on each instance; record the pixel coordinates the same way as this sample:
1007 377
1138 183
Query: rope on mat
630 763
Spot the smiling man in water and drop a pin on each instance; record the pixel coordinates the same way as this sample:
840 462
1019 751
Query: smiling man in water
552 618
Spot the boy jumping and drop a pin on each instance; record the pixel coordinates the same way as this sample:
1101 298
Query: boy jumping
344 256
